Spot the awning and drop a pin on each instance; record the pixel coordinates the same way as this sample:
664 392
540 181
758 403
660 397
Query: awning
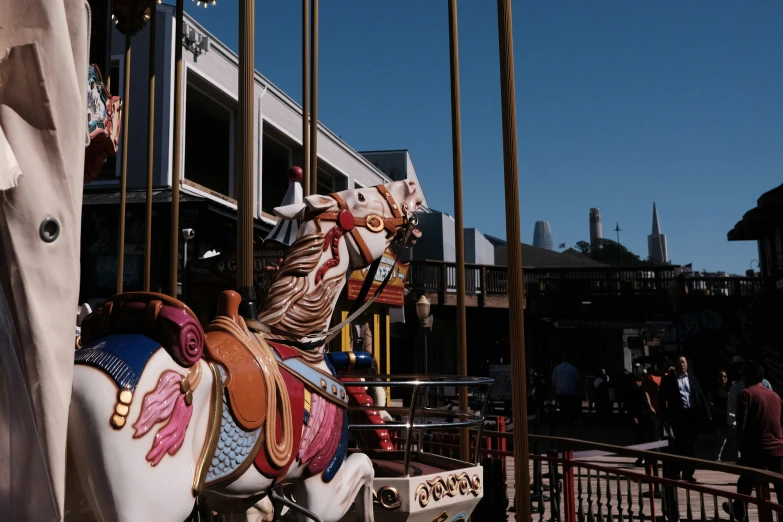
756 222
139 197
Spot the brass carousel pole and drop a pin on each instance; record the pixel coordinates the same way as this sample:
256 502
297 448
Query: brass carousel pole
306 96
459 233
177 157
124 163
514 253
150 149
245 151
314 100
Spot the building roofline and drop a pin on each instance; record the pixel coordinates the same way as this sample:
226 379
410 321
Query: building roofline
221 48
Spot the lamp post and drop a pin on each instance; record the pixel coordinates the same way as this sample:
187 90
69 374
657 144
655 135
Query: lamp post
423 311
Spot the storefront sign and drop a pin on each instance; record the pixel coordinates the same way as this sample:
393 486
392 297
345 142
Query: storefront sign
208 278
394 293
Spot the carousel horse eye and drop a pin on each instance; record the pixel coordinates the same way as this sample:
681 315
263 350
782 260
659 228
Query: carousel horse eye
361 197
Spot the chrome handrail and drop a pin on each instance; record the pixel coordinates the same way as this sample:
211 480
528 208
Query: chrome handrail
463 419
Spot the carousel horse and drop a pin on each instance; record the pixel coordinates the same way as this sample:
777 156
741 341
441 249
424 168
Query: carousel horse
164 413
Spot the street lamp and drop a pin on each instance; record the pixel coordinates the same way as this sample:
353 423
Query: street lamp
423 311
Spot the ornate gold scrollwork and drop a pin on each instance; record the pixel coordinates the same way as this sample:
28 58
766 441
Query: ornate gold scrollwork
422 494
438 488
441 518
388 497
374 223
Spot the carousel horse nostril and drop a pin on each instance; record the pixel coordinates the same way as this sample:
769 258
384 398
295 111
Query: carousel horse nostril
49 229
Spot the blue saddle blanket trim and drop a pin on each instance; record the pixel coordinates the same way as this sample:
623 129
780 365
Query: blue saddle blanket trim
339 456
120 356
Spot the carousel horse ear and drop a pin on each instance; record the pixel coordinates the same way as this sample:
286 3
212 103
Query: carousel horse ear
319 203
293 211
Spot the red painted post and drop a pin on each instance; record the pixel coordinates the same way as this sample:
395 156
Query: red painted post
762 494
569 493
649 472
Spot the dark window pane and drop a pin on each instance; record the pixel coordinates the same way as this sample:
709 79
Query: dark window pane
207 142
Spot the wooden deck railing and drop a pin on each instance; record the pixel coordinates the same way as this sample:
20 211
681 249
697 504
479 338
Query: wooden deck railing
440 277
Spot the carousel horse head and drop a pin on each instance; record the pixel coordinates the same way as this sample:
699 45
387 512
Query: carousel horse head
340 232
372 218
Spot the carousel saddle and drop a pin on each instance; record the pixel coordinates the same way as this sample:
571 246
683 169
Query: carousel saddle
245 382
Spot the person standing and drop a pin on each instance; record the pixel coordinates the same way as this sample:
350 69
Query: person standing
603 400
719 399
683 404
759 433
731 452
566 385
642 414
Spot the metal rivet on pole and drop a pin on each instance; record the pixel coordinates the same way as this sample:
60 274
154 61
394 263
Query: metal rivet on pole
515 275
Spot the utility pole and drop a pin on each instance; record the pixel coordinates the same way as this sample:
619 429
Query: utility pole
618 230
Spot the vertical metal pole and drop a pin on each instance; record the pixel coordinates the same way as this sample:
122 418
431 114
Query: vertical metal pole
177 159
314 101
124 166
515 275
150 149
459 232
246 136
306 95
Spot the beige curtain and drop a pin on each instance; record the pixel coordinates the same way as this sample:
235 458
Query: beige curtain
44 47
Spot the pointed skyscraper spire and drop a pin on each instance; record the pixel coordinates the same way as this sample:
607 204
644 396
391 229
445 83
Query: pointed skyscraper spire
656 242
656 225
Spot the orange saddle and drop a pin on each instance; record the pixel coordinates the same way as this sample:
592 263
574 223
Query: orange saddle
245 383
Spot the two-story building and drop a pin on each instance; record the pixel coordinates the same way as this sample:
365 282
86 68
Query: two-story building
208 170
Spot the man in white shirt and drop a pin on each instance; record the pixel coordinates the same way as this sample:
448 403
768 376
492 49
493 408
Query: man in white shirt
567 386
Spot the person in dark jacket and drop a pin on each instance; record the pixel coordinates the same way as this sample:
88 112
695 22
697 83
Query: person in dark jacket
759 413
642 414
683 406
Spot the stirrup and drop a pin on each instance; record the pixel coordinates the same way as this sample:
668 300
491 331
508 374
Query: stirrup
278 501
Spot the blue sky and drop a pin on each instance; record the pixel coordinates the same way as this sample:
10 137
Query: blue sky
619 104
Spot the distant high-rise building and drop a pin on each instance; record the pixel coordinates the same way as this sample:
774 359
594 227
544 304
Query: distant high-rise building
596 232
542 235
656 242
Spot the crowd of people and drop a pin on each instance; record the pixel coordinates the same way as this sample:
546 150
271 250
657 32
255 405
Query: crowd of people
668 402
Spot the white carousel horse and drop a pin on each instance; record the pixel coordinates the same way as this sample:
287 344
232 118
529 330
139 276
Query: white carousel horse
260 408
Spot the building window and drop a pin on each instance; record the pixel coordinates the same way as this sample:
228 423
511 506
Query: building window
330 181
275 161
209 137
111 169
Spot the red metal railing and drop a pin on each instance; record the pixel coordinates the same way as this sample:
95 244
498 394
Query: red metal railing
597 484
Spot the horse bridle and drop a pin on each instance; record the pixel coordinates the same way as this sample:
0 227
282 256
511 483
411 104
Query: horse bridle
401 225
